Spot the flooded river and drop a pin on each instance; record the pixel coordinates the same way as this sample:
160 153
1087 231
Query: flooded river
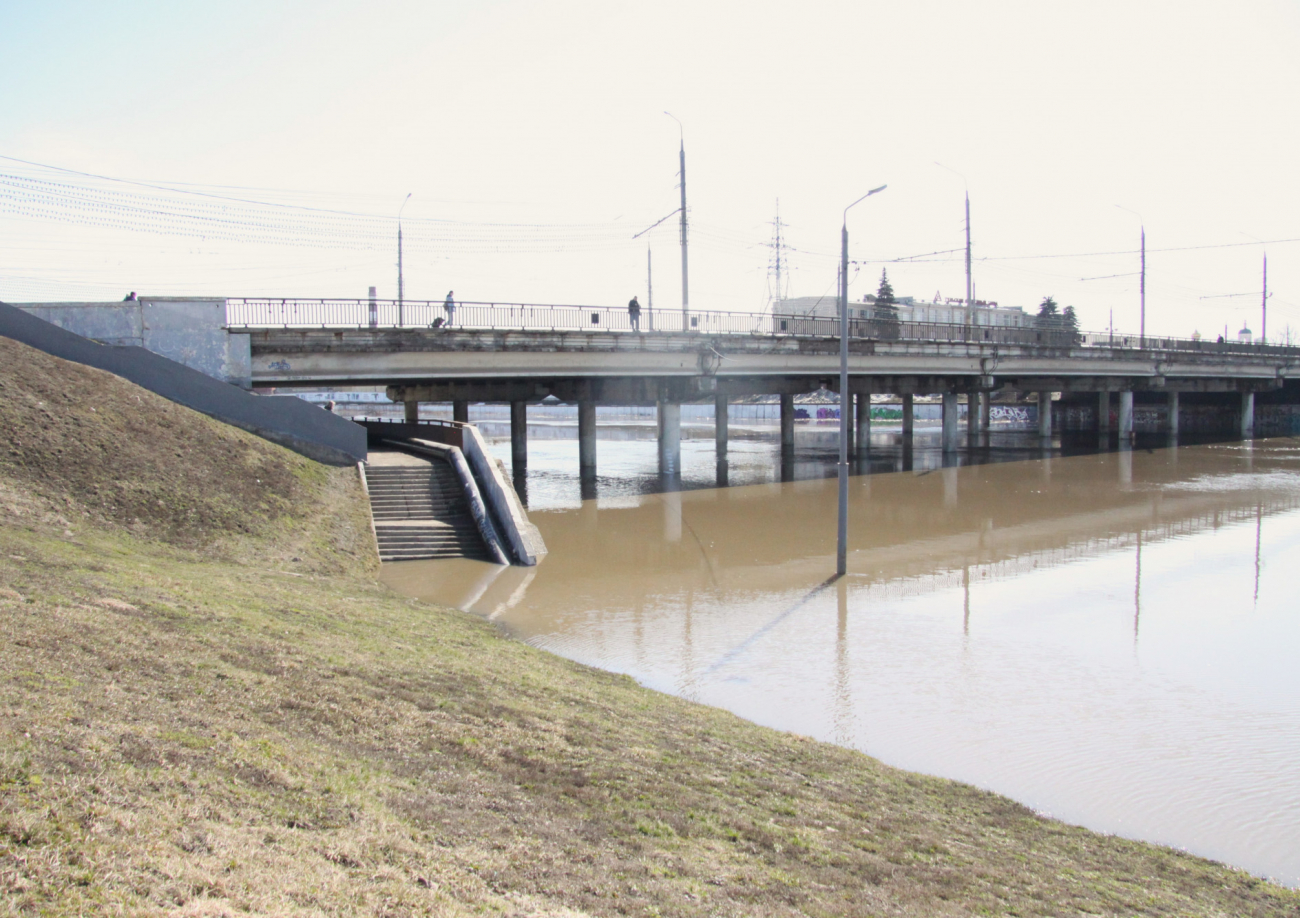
1111 638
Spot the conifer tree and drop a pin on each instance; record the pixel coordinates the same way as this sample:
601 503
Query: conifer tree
886 312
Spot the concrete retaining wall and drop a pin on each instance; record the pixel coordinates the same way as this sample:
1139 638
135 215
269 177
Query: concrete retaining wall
291 422
190 331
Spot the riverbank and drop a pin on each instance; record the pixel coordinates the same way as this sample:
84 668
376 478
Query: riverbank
224 713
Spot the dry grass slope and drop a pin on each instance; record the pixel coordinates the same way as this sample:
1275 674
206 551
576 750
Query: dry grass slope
204 715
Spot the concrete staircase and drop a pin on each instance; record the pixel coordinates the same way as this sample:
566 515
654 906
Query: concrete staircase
420 512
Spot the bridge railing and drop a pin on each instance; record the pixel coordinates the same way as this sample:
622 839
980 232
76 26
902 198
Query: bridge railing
268 313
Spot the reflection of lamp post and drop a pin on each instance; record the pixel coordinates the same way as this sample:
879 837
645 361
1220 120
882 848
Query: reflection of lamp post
686 299
970 314
842 536
1142 282
400 289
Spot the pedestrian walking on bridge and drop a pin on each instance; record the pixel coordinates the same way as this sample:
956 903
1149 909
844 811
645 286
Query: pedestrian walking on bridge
449 304
634 314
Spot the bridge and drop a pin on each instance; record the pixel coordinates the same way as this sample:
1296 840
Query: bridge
521 353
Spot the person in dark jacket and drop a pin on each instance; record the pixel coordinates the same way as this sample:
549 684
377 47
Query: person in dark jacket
634 314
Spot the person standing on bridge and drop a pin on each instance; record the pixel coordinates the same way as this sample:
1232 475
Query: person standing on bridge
634 314
449 304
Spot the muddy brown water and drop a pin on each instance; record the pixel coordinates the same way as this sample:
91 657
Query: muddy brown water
1112 639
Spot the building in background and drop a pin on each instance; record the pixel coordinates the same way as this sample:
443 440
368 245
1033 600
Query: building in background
948 311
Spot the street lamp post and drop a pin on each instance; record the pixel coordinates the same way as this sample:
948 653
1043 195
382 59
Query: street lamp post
842 534
686 298
401 290
1142 281
970 290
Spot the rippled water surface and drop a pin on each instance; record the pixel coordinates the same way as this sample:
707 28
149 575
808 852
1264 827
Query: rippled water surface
1113 638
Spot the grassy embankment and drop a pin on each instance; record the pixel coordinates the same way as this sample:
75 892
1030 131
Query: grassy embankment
215 711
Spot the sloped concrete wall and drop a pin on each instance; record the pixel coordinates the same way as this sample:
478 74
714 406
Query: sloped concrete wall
190 331
291 422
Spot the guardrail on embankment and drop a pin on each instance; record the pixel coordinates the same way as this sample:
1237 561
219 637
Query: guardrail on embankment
288 421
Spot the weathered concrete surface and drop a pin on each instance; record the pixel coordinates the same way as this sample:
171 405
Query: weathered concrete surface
289 421
531 364
188 330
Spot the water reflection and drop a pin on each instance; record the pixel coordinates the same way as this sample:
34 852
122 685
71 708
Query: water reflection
1107 637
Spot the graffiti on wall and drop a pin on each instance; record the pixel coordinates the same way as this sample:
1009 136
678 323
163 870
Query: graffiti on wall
1008 413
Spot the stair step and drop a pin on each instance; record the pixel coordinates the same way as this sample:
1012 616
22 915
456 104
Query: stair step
420 512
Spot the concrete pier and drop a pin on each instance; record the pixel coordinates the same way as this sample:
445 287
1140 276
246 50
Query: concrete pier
1044 415
720 431
1247 414
986 411
412 411
519 434
460 410
1126 417
1103 412
587 438
1171 424
950 422
670 438
909 422
787 423
862 440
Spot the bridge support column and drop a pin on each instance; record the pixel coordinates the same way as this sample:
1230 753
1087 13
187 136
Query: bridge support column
909 422
986 410
863 410
949 422
1103 412
1171 424
720 432
587 438
1247 415
518 434
670 439
787 423
460 410
1126 417
412 411
1044 415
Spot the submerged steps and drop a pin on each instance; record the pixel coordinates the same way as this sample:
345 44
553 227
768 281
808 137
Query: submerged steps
419 510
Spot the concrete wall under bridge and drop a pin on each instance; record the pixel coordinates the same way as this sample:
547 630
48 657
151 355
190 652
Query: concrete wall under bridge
189 330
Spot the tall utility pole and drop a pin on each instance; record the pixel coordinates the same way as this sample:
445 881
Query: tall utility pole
1142 292
401 291
686 298
1263 306
776 266
1142 280
649 290
970 286
846 398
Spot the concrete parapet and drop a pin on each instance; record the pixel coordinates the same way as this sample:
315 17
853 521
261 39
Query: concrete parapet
525 541
290 422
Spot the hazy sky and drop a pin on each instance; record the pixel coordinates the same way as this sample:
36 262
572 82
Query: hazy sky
532 138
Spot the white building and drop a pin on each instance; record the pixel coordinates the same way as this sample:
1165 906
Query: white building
910 311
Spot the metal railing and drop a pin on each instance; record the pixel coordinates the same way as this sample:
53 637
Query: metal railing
268 313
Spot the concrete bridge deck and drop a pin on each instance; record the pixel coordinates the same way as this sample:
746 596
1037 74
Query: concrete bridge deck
519 353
